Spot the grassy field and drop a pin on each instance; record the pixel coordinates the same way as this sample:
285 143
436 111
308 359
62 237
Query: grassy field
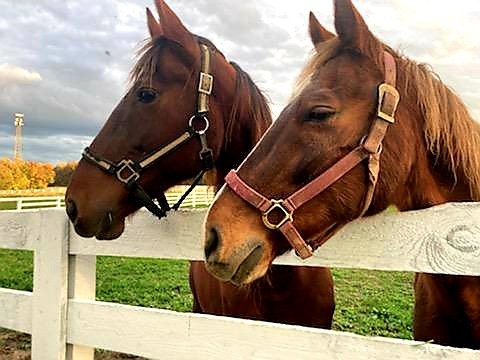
8 205
368 302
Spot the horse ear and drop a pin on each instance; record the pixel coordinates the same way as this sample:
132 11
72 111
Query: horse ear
318 33
350 26
173 28
153 26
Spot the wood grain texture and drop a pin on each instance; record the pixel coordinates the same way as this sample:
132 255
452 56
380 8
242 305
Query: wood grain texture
16 310
162 334
443 239
19 230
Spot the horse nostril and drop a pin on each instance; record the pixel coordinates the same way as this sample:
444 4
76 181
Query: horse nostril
72 211
212 243
109 219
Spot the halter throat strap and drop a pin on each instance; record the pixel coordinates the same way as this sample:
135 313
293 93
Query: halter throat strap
369 149
129 171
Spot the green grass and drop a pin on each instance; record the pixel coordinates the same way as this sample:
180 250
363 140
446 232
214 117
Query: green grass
368 302
8 205
374 302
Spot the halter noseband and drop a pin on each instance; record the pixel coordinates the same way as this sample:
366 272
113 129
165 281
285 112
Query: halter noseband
369 148
128 171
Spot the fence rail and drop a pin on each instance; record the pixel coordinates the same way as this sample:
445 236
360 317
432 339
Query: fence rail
201 196
66 322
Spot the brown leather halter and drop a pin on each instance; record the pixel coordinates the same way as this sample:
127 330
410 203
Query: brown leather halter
369 148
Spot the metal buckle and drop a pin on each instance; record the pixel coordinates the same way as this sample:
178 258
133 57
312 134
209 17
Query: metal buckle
205 128
383 113
276 204
205 85
127 165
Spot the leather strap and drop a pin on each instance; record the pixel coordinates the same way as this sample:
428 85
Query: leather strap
247 193
328 178
302 249
205 81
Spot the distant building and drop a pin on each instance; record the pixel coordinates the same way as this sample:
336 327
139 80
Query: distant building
18 147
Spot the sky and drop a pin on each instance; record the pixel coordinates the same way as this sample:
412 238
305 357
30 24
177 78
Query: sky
65 63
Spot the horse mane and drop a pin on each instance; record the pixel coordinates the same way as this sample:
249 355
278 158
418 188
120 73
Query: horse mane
149 53
318 57
251 105
451 134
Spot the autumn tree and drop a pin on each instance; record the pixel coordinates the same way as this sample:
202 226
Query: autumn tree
39 175
17 175
64 172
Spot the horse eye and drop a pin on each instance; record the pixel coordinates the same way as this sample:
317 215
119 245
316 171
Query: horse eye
320 114
146 96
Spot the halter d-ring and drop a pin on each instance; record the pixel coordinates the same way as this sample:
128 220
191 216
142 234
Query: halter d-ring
199 117
287 215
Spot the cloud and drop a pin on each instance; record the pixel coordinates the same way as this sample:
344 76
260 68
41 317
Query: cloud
65 66
11 74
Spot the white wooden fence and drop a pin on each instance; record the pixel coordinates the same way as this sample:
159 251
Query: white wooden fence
66 322
201 196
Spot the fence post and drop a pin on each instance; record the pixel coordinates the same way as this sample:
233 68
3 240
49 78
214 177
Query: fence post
59 202
81 285
50 288
19 204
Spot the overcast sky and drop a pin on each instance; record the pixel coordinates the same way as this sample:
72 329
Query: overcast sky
65 63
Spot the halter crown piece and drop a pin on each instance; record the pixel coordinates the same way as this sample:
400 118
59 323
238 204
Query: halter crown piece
370 148
129 171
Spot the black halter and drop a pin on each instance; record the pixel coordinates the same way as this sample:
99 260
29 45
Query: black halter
129 171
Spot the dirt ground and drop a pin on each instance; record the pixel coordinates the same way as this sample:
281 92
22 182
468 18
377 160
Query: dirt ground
16 346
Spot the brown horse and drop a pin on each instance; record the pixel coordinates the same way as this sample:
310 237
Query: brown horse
156 110
319 148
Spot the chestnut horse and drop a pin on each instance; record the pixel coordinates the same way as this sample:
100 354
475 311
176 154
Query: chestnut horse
326 150
156 110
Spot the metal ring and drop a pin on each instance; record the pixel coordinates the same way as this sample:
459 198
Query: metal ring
201 131
380 149
362 141
287 216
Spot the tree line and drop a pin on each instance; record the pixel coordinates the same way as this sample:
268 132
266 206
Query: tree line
19 174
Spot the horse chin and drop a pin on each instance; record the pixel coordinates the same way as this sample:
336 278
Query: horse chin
251 268
111 232
108 228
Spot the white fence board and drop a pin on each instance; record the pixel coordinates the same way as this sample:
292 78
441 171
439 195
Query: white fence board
443 239
162 334
50 288
81 285
16 310
19 232
178 236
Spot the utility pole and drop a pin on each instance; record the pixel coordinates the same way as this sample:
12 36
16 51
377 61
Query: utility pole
19 123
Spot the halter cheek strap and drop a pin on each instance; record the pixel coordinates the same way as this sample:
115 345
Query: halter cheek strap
369 149
129 171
